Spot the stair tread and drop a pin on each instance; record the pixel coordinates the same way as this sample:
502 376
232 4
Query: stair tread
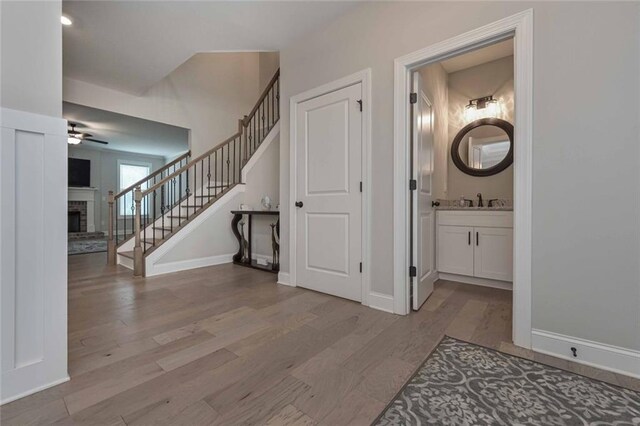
127 254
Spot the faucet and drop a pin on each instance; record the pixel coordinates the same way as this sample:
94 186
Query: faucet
480 203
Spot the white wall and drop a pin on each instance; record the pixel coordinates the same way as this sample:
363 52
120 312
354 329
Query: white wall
31 65
104 175
208 94
585 154
33 190
492 78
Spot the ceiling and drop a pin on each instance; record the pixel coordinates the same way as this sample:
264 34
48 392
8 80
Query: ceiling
125 133
130 45
478 57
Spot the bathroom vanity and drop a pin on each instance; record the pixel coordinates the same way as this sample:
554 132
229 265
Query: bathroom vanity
475 246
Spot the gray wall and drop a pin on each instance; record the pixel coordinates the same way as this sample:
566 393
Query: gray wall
585 156
104 175
31 70
493 78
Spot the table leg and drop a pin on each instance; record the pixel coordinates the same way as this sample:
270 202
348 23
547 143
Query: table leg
234 228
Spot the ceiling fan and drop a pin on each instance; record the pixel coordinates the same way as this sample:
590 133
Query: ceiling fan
75 137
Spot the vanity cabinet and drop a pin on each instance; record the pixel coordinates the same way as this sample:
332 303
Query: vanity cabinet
475 244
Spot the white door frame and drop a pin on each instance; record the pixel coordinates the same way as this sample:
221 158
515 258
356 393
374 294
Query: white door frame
363 77
519 26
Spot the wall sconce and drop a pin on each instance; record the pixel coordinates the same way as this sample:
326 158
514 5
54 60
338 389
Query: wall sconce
484 107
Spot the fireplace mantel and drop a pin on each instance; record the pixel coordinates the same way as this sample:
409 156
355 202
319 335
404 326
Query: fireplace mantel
87 194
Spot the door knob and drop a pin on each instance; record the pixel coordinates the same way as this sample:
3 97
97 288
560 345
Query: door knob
435 203
299 204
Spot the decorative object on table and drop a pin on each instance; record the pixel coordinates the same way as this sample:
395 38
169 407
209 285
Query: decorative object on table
462 383
244 207
266 202
243 243
275 246
247 259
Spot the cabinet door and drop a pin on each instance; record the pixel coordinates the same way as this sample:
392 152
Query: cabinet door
455 249
493 256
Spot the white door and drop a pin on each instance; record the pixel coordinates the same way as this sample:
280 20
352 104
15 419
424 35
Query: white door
423 211
328 198
494 253
455 249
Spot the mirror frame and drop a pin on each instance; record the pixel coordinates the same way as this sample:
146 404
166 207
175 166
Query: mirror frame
506 161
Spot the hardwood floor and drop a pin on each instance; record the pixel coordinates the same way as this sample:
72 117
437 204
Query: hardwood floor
226 345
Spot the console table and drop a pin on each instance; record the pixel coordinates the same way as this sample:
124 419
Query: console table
248 261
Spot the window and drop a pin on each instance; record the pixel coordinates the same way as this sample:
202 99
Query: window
128 174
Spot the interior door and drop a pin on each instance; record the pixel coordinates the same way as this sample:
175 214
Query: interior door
328 197
423 211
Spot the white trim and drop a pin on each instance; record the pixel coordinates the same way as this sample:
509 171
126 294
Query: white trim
284 279
183 265
519 26
363 77
382 302
275 131
152 267
484 282
607 357
36 123
35 390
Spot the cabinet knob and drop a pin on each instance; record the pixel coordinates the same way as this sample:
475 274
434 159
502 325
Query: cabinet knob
299 204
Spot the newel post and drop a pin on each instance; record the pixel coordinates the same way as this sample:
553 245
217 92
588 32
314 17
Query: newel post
111 242
138 266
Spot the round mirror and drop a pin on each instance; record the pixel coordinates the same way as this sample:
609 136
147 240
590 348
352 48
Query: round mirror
483 147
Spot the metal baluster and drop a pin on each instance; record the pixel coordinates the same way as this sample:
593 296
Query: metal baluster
227 166
162 208
187 191
208 178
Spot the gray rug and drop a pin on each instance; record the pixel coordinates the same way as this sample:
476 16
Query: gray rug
465 384
87 246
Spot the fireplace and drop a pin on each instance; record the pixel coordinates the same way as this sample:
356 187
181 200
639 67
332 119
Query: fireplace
74 222
77 216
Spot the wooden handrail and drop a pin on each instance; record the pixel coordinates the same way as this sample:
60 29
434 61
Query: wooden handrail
190 164
264 94
146 178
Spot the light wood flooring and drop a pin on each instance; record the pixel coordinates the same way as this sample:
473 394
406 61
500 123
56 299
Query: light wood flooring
226 345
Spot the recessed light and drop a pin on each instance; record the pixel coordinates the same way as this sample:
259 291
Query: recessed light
65 20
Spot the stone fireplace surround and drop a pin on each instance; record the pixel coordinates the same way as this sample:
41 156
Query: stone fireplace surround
79 197
79 207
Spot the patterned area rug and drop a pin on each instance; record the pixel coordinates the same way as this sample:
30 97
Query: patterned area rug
86 246
465 384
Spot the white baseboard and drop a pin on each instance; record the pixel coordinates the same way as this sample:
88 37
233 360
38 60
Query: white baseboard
594 354
285 279
183 265
485 282
381 302
35 390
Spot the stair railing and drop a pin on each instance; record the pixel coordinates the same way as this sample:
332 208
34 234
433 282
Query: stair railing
174 200
121 215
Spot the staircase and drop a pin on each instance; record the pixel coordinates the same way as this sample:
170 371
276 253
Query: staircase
148 213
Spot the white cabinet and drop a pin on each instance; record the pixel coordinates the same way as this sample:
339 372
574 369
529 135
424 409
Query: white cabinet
475 244
455 249
493 253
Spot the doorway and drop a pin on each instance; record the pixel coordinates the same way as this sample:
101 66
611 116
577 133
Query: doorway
519 27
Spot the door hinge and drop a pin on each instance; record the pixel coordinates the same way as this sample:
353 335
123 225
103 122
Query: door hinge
413 184
360 103
360 267
412 271
360 186
413 98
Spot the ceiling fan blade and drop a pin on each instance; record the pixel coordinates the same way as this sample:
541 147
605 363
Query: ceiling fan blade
96 141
